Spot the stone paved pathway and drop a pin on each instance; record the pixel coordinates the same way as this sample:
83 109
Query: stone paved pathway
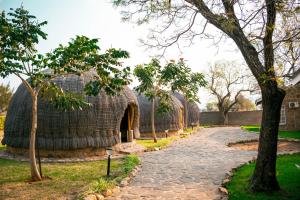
191 168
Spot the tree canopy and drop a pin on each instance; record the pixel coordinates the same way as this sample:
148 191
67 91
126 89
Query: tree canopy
185 82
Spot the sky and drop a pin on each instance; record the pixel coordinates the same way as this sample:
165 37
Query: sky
100 19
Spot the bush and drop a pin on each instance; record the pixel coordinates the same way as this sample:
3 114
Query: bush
101 185
2 119
130 162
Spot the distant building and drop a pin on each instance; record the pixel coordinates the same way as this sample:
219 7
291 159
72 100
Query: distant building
296 78
290 110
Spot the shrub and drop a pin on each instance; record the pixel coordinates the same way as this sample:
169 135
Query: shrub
101 185
130 162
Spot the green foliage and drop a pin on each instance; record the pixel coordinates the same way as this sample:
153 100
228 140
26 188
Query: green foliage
282 134
153 85
183 80
288 176
101 185
2 120
61 100
21 32
5 96
130 162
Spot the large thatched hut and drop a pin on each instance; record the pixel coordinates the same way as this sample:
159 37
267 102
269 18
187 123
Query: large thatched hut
193 110
171 121
72 133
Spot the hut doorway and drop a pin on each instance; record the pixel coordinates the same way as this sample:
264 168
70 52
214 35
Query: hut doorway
126 123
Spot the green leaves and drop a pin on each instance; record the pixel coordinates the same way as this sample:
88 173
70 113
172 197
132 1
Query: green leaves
152 84
19 34
81 54
61 100
183 80
164 102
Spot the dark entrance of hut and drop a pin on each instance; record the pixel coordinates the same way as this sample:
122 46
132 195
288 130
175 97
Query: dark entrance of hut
126 123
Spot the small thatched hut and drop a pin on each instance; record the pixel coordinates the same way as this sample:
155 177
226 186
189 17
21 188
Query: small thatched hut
193 110
72 133
171 121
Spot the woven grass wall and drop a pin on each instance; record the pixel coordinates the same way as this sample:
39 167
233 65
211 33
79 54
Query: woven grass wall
167 121
193 110
96 126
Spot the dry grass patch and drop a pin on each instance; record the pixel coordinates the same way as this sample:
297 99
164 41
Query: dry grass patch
68 180
286 146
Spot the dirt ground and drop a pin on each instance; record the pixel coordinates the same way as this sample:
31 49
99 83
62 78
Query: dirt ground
285 146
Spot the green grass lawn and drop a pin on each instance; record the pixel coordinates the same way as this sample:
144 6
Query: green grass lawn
2 147
283 134
288 176
161 143
67 179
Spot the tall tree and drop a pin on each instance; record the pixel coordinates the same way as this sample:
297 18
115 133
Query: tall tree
155 87
184 81
5 96
227 81
251 25
20 32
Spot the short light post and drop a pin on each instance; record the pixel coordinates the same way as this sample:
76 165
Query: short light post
166 132
109 152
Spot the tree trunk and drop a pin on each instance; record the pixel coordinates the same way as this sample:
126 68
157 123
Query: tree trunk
225 117
152 120
34 169
186 114
264 177
224 114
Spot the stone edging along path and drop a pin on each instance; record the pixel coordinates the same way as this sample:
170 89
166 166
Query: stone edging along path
193 168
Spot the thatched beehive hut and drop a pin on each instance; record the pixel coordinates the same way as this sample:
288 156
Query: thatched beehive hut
171 121
72 133
193 110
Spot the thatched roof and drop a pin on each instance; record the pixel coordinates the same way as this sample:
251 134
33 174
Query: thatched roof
193 110
96 126
167 121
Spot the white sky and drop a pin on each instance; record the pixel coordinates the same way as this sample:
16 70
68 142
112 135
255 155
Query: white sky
99 19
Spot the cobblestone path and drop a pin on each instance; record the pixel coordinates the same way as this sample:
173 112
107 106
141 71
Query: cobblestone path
191 168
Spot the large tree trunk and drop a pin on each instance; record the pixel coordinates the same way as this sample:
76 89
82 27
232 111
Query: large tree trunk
186 114
223 113
34 169
264 177
152 120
